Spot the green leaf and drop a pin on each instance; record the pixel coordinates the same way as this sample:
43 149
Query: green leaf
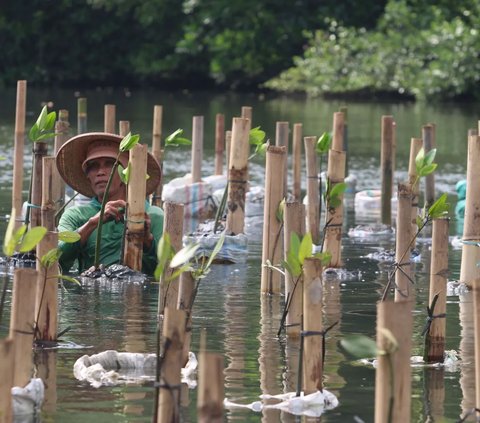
178 271
34 132
280 210
45 135
128 142
50 122
429 157
419 160
216 250
261 149
32 238
50 257
439 208
173 135
69 236
359 346
419 221
306 247
164 253
427 170
294 243
338 189
293 264
124 173
68 279
42 118
323 143
256 136
184 255
325 257
174 139
9 241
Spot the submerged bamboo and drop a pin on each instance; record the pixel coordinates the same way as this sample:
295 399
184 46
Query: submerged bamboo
297 161
386 164
476 322
313 203
210 387
219 142
186 294
7 360
197 148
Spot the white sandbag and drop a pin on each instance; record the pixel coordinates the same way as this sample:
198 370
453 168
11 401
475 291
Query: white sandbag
27 401
234 248
217 182
369 203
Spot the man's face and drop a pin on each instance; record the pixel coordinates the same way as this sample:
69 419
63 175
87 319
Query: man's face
98 172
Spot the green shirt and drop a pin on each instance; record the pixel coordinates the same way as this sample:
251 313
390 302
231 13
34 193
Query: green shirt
112 234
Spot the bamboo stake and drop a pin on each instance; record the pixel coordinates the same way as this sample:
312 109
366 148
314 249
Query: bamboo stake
197 148
435 347
133 252
210 388
157 150
173 226
393 374
471 226
62 128
297 161
313 204
312 322
281 139
46 369
22 324
428 136
228 147
272 245
173 337
7 360
219 142
415 147
386 159
338 131
50 191
247 113
185 302
344 110
81 115
109 118
124 127
404 290
294 217
46 292
39 152
334 215
237 176
19 140
476 321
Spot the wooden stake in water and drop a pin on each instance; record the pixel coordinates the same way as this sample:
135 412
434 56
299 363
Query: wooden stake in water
81 115
197 148
7 360
312 322
19 139
185 302
294 217
471 224
133 253
404 290
22 324
338 131
157 150
46 305
50 191
219 142
173 226
415 147
334 212
297 161
313 204
238 176
228 147
344 110
169 393
386 167
210 387
62 129
109 119
247 113
435 338
281 139
39 152
428 136
393 374
123 127
272 227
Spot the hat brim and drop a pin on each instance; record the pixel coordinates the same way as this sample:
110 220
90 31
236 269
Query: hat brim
73 153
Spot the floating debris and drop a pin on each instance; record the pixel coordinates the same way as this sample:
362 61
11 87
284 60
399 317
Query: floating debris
388 256
115 272
371 231
27 401
456 288
343 275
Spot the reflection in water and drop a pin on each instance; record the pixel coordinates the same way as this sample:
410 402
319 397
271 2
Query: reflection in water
46 367
434 391
467 352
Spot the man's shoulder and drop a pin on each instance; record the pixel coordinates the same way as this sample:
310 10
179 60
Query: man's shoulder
154 210
80 210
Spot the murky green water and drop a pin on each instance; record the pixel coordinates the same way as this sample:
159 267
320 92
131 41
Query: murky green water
240 324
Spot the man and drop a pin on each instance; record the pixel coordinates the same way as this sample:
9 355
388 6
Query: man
85 163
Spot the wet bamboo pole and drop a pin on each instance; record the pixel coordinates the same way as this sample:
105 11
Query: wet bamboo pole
476 325
386 168
81 115
246 113
185 302
272 227
313 204
109 118
219 142
344 110
22 324
39 152
19 142
210 388
435 346
428 136
297 161
46 369
393 374
312 322
294 217
237 176
467 351
228 147
173 226
62 129
123 127
50 191
281 139
197 148
471 226
415 147
404 290
46 292
434 387
134 238
7 360
338 131
157 150
169 395
334 215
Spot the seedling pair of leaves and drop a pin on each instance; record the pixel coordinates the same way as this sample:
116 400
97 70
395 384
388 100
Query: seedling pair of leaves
256 137
44 127
333 194
438 209
363 347
323 143
175 139
424 162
